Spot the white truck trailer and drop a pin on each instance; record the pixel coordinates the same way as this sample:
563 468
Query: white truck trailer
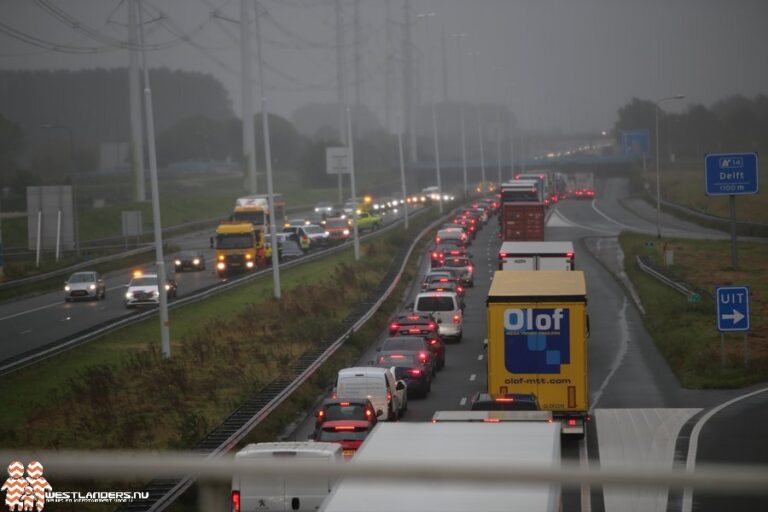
536 256
453 444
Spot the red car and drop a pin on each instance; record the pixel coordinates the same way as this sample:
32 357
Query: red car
350 434
584 193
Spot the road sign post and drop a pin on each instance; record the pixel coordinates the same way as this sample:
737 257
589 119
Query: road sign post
731 174
732 315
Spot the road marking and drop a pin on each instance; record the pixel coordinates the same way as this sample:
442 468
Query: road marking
693 443
463 401
594 207
623 334
26 332
66 319
586 496
29 311
472 377
575 225
480 357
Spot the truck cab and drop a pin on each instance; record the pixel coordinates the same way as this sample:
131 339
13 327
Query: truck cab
240 247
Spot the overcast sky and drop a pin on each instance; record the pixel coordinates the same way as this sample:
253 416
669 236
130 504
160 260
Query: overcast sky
567 64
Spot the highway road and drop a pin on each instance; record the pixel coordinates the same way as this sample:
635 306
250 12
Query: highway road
641 412
33 322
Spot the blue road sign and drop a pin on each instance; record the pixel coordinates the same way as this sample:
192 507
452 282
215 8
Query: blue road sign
732 308
731 174
636 142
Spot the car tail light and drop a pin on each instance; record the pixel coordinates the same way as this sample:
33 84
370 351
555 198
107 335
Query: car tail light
456 319
432 325
502 255
413 317
235 501
414 371
460 289
437 239
394 326
344 427
368 413
504 400
344 404
491 420
569 255
469 267
571 422
389 396
321 413
423 356
435 255
443 280
433 341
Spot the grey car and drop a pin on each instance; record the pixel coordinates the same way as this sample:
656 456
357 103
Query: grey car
85 285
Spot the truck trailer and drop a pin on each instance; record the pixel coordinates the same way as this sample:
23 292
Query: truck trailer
522 211
538 329
453 444
536 256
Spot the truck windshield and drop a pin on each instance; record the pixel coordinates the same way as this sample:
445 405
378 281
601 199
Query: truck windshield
234 241
254 217
437 303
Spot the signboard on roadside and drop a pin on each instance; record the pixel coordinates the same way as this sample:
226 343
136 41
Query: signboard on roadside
636 142
730 174
337 160
732 308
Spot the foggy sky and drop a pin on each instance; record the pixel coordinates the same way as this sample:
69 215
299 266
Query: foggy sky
567 64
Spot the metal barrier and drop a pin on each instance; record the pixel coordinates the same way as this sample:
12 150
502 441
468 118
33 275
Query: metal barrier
675 285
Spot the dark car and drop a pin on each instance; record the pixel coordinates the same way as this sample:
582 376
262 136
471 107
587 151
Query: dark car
192 260
333 409
508 402
409 367
442 251
350 434
424 325
416 344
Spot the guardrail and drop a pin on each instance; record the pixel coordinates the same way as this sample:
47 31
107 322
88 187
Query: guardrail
645 266
28 358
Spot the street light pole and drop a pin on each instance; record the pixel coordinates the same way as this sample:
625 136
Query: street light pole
458 37
658 174
426 16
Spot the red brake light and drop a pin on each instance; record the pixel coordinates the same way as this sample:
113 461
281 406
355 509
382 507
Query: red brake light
389 395
571 422
368 412
344 404
413 317
504 400
414 371
344 427
569 255
491 420
470 268
432 325
320 413
423 356
235 501
414 330
502 255
433 342
394 326
443 280
460 289
456 319
434 255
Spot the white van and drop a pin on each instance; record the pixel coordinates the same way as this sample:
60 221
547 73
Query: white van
266 493
447 310
387 395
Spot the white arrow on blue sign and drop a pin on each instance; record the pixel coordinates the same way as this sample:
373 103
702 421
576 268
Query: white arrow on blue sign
732 308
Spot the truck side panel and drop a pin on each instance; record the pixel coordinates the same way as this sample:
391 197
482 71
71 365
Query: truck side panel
539 347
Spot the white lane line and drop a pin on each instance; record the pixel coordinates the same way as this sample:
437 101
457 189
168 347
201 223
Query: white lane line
463 401
594 207
586 496
693 443
66 319
472 377
576 225
619 359
26 332
29 311
480 357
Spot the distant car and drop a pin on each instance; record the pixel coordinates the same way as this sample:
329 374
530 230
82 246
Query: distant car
442 251
584 193
84 285
464 264
193 260
317 236
416 344
338 228
450 286
350 434
143 290
410 368
438 278
324 208
508 402
420 324
293 223
334 409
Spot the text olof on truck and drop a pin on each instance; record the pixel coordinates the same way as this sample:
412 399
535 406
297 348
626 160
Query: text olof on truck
538 328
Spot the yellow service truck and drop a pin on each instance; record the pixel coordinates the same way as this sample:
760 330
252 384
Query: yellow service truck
538 329
240 247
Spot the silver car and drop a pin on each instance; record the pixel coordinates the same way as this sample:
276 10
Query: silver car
85 285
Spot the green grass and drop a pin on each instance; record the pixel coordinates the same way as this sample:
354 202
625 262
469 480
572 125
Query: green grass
210 341
686 332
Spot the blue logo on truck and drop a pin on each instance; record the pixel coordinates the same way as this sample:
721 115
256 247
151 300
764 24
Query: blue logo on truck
536 340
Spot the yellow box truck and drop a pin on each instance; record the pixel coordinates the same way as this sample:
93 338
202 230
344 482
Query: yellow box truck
537 341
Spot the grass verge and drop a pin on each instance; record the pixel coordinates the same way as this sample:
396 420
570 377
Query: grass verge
686 333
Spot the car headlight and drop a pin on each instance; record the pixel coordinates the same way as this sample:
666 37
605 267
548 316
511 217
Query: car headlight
249 264
92 287
128 295
345 232
221 265
177 262
167 287
326 233
196 261
67 288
